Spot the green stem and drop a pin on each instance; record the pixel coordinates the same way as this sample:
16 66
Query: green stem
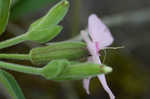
21 68
15 56
12 41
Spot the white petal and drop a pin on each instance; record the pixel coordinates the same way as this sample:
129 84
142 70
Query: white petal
105 86
85 37
90 45
90 59
86 83
99 32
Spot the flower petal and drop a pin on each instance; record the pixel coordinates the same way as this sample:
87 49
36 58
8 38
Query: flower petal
85 37
99 32
86 83
105 86
90 45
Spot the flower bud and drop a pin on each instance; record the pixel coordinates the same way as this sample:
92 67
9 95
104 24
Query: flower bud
83 70
62 70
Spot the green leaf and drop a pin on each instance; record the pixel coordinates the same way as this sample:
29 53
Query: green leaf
34 24
53 17
11 85
43 35
4 14
24 7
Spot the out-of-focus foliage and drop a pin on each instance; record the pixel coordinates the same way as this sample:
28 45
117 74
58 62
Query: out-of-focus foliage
23 7
11 85
4 14
127 75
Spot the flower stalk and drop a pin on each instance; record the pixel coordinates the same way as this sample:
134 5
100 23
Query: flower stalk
20 68
15 56
12 41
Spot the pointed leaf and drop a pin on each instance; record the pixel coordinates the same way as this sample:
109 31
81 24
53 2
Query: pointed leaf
53 17
11 85
44 35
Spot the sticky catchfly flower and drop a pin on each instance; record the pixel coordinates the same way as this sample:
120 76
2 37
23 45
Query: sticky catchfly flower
100 38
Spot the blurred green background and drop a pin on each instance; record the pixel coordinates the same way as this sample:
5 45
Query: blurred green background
129 22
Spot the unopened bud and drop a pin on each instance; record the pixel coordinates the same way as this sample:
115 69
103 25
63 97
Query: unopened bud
83 70
62 70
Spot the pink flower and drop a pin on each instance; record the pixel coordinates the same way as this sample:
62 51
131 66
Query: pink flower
100 39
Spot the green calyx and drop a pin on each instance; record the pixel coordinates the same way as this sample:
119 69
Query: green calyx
54 69
60 50
82 71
